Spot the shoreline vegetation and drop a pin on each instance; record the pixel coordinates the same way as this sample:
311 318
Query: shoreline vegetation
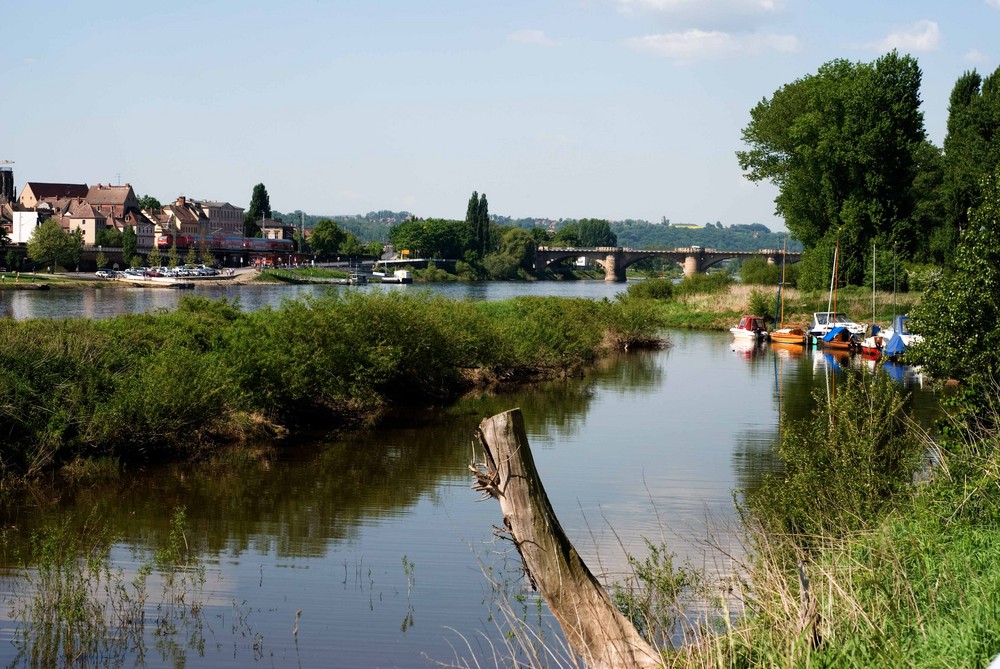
173 385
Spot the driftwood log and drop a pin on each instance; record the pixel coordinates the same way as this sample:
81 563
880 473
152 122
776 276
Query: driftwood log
595 629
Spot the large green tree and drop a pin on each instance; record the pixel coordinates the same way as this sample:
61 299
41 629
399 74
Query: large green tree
477 217
842 147
129 244
958 315
971 147
49 244
260 207
596 232
433 238
326 238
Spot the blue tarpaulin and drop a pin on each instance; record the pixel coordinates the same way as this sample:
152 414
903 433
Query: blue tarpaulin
832 334
895 346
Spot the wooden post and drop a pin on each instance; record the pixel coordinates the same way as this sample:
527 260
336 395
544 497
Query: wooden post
595 629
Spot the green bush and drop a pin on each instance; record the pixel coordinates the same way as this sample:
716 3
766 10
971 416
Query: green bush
654 289
845 467
165 384
700 284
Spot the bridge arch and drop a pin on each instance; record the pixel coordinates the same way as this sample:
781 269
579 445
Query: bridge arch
615 260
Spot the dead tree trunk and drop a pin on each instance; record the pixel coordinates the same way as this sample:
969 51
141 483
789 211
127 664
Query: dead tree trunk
594 627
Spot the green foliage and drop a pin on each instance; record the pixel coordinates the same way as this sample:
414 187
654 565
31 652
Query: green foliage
149 203
958 314
755 270
147 386
842 147
971 148
477 218
844 468
49 244
434 238
326 238
153 258
129 243
260 208
351 246
102 260
699 284
13 261
173 257
111 237
655 289
651 595
596 232
191 257
762 304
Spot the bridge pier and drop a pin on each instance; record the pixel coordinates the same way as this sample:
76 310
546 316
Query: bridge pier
613 271
692 265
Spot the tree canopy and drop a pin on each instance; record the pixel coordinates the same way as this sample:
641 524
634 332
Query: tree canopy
972 146
149 203
260 207
326 238
477 217
958 316
842 147
433 237
51 245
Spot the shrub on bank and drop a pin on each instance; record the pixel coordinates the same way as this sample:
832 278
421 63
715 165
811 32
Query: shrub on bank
165 384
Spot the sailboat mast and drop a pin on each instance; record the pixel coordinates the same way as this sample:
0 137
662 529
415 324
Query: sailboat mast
873 282
833 276
784 250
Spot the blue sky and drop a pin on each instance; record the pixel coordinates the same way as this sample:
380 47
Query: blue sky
554 108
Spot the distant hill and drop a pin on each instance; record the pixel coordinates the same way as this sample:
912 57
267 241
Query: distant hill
375 226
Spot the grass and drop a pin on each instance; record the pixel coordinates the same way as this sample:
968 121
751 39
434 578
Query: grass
178 384
719 308
71 607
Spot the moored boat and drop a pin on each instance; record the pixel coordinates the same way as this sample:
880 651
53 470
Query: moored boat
750 327
795 336
839 339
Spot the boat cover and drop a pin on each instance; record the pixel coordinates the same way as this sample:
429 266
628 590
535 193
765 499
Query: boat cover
899 324
894 346
832 334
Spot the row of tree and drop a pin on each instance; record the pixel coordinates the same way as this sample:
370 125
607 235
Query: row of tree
848 151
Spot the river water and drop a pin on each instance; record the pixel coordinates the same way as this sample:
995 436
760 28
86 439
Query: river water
371 550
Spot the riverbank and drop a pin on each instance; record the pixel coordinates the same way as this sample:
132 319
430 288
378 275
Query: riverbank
175 385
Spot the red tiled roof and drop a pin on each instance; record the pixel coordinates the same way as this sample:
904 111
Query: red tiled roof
101 194
44 190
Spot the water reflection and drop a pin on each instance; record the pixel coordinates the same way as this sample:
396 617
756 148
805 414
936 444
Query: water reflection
108 301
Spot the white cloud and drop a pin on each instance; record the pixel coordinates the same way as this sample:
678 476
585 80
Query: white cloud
923 35
976 56
532 37
995 4
673 6
711 45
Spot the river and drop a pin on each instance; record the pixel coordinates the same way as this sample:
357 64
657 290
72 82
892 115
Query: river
371 550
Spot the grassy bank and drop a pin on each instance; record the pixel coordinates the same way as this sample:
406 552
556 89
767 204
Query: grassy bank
716 304
168 385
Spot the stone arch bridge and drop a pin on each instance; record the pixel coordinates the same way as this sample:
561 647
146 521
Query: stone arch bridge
614 259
